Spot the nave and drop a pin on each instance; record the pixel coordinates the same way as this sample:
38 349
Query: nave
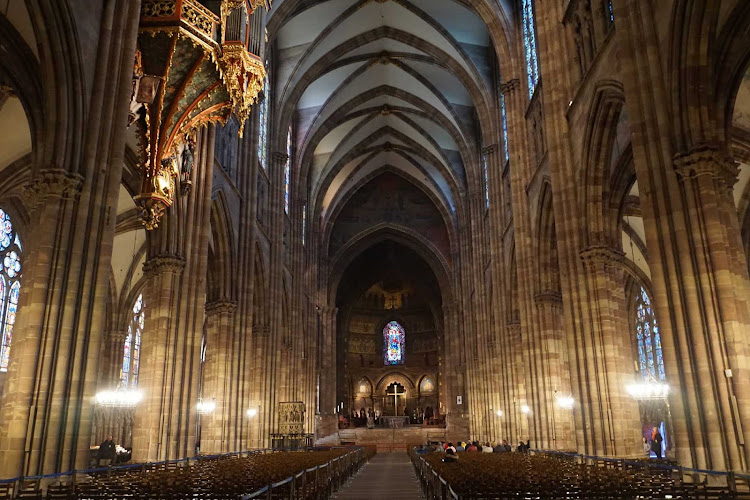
233 226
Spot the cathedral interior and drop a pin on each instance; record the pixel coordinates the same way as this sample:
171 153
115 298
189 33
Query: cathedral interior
231 225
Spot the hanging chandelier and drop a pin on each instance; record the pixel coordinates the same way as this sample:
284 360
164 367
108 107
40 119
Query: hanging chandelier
193 66
649 389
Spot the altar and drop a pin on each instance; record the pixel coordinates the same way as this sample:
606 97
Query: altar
394 422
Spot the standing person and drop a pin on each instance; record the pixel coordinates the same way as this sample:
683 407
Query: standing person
656 440
106 451
646 447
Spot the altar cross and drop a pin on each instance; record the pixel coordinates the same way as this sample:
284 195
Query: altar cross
395 395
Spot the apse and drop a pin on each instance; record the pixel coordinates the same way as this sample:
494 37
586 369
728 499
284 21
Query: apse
389 339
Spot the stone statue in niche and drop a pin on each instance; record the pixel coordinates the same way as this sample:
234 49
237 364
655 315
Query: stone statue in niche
188 158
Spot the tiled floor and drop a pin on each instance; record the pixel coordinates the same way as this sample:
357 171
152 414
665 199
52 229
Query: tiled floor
388 476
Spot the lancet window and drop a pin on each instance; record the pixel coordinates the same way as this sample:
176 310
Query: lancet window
650 358
10 285
287 169
263 126
529 42
131 354
394 347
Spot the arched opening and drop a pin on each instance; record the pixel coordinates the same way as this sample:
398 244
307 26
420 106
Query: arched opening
389 305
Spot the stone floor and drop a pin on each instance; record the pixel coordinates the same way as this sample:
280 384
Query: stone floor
387 476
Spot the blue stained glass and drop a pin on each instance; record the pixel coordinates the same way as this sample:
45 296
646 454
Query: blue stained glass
10 289
263 126
125 372
12 264
650 355
6 230
131 355
394 350
529 42
611 11
486 182
304 223
287 169
505 128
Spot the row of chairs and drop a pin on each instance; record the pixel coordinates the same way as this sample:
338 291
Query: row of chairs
313 473
516 475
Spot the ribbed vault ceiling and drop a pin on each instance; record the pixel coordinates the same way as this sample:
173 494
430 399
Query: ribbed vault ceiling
382 85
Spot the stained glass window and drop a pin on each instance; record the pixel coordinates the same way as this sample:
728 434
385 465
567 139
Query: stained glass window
610 12
529 42
10 285
394 348
304 222
263 126
486 182
131 354
506 151
287 169
650 358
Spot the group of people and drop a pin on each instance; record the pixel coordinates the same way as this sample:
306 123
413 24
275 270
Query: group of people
452 450
419 415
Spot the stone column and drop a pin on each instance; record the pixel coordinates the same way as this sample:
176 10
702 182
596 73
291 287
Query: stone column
698 269
606 354
327 423
216 373
518 426
175 298
554 425
47 413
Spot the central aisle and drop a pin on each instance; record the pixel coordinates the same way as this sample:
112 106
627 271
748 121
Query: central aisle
387 476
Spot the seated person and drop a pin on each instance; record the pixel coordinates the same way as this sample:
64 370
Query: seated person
472 448
450 456
461 447
486 448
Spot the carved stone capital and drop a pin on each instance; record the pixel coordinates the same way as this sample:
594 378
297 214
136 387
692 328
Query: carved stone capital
163 264
510 86
552 297
279 157
223 306
600 255
52 183
513 328
488 150
706 160
116 336
261 330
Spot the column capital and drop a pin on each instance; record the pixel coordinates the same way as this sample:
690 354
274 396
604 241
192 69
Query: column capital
513 327
510 86
52 183
221 306
261 330
488 150
116 335
552 297
279 156
163 264
706 159
593 255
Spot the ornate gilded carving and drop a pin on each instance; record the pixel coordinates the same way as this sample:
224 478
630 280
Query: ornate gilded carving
52 183
184 79
243 76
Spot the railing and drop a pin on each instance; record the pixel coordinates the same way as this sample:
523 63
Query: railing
433 485
318 482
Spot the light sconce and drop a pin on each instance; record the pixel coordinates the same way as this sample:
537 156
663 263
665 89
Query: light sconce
525 409
565 402
648 390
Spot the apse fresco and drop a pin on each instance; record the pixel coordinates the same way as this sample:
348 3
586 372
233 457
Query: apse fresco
393 344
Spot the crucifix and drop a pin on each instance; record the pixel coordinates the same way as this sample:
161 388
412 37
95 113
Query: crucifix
395 395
